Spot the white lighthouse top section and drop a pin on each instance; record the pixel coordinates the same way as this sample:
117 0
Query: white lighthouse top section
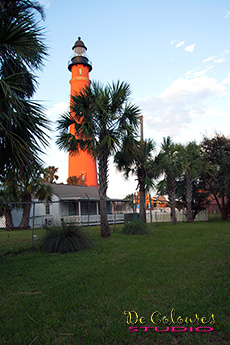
79 49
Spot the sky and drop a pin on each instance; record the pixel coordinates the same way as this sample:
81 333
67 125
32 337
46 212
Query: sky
174 54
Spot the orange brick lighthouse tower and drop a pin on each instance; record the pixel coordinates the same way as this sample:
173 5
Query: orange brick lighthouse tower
81 165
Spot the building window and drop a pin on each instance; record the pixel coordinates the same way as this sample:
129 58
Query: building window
47 209
73 209
80 71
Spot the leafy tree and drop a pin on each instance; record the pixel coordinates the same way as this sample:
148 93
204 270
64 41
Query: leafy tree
22 121
216 151
75 181
167 163
102 118
49 175
136 157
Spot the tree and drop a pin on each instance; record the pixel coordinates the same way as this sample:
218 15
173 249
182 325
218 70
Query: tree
191 165
200 194
49 175
8 193
102 118
31 185
136 157
75 181
22 121
167 163
216 152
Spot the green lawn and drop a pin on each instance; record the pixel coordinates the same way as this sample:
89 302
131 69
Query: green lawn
80 298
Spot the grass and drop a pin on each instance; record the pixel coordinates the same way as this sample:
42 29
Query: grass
80 298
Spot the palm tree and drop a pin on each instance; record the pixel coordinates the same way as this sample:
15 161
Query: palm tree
22 121
191 164
167 163
200 194
31 186
102 117
136 157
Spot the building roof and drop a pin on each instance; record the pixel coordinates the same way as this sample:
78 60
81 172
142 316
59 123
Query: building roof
70 192
161 198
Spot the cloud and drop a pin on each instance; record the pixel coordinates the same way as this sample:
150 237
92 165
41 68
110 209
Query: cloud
180 44
227 14
184 101
220 60
59 108
53 156
198 72
226 80
210 58
184 88
190 48
172 42
215 59
45 3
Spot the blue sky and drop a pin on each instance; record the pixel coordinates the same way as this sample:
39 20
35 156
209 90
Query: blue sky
174 54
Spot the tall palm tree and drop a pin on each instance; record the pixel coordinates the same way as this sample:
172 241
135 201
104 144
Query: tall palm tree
136 157
102 117
22 122
167 163
191 164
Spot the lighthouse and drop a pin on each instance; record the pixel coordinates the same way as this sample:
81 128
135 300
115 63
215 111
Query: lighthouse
82 165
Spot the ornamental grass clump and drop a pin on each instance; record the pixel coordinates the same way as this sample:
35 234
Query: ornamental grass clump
69 238
135 228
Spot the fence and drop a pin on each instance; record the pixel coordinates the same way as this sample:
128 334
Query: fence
158 216
82 212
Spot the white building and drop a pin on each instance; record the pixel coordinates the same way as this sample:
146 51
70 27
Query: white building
70 204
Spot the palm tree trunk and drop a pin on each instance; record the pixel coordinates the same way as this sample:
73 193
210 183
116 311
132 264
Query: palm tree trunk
25 221
189 199
172 197
142 202
9 219
103 184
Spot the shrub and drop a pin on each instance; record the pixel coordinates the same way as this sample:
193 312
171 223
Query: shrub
135 228
64 240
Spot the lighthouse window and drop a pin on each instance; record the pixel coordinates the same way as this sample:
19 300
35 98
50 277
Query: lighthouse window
80 71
